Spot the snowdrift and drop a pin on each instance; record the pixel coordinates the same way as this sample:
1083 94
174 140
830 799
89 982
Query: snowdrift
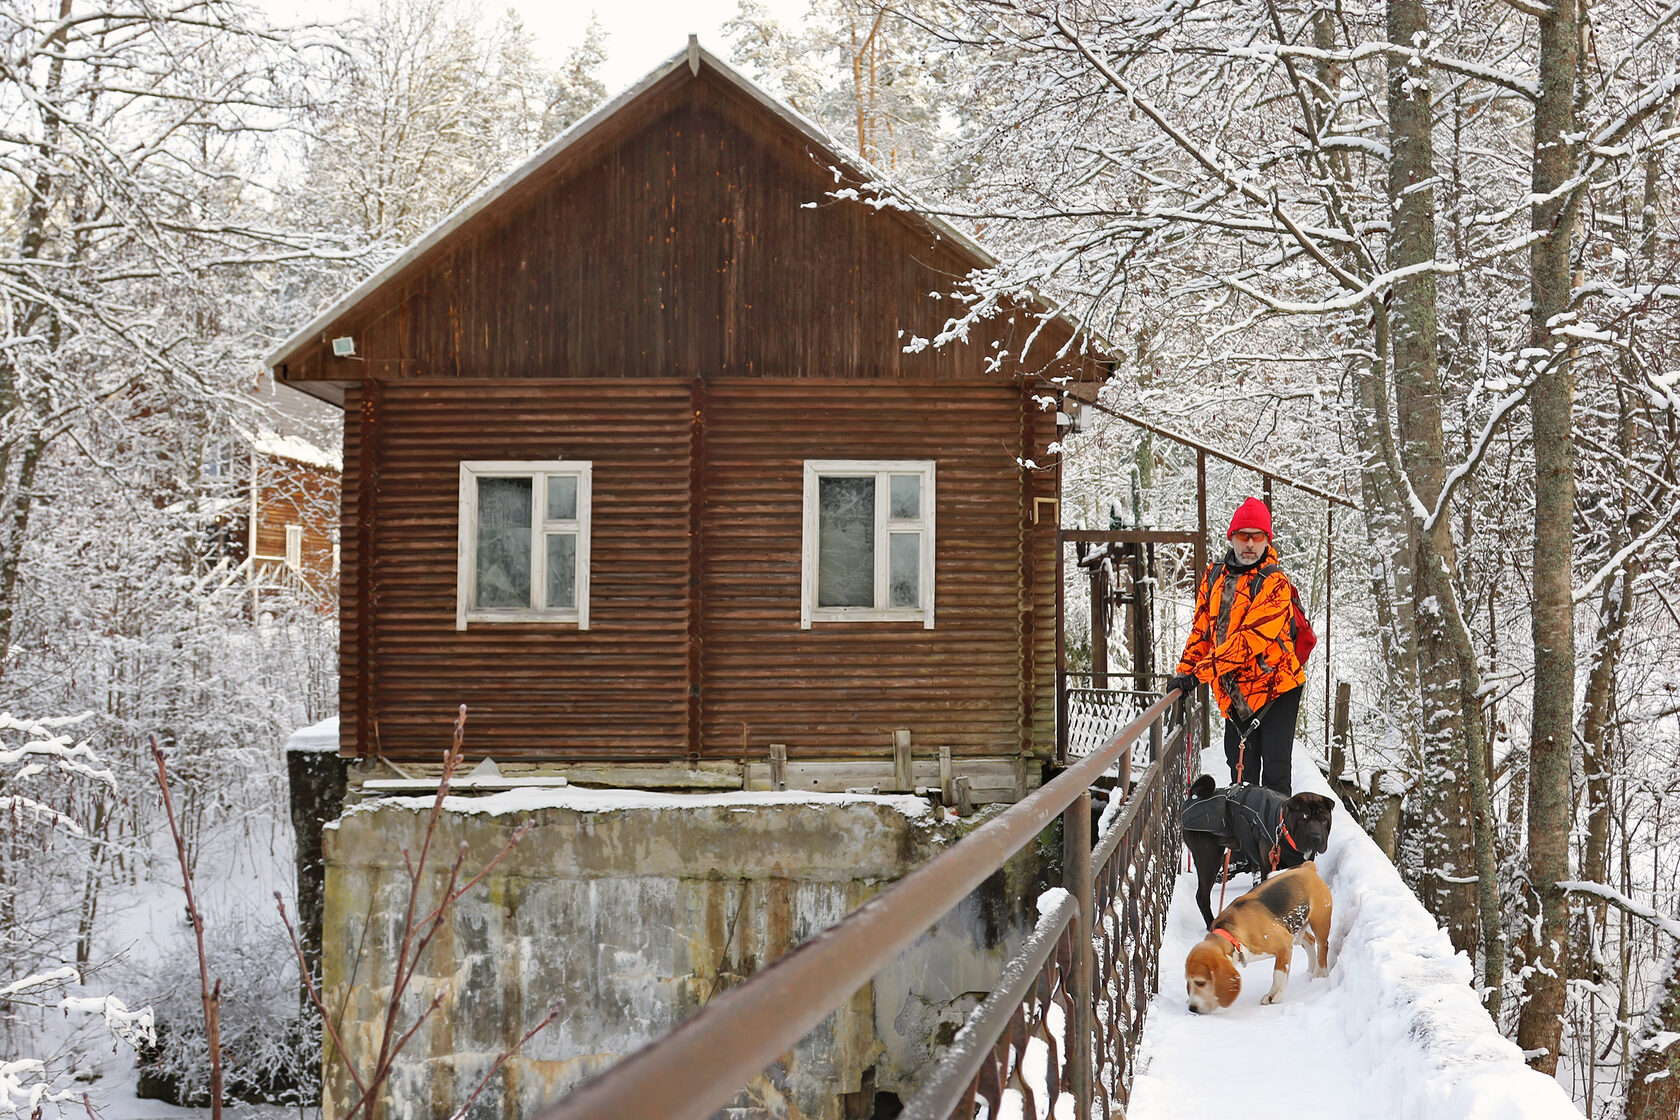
1395 1031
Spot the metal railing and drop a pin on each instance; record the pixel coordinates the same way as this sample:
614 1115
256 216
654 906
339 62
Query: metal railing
1101 1003
1095 715
701 1065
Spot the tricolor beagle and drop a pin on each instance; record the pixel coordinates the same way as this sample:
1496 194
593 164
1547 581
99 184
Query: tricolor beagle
1291 906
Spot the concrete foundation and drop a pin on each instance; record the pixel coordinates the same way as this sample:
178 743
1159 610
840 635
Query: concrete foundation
629 910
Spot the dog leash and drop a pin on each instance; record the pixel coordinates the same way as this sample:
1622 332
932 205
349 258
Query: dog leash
1277 847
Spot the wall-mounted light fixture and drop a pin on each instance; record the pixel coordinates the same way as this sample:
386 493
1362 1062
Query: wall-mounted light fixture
344 347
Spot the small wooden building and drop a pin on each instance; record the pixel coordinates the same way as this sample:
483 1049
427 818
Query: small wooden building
291 520
639 468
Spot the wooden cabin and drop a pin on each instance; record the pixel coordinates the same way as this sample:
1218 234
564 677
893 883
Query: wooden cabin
291 521
638 466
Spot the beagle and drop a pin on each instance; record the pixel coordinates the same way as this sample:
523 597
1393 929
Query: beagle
1291 906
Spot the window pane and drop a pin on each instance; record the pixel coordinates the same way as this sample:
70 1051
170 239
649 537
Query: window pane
846 542
904 579
906 501
504 543
562 569
562 497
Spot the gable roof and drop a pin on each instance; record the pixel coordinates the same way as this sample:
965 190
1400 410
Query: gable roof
694 58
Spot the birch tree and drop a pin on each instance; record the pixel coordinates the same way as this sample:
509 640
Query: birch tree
1303 219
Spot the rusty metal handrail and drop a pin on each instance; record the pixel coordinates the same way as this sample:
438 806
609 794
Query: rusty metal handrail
958 1074
986 1056
697 1068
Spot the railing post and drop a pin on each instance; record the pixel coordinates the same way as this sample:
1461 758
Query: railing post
1155 739
1076 865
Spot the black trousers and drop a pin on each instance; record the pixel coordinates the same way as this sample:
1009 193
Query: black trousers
1272 747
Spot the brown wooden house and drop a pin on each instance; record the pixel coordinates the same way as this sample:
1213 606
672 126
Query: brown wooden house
637 465
290 523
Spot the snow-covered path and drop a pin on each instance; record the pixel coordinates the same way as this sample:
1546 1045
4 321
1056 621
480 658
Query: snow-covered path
1394 1031
1199 1065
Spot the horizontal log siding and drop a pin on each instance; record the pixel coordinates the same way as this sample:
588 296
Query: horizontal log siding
1043 568
841 688
533 690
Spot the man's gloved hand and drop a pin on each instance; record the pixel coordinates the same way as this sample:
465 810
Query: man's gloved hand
1240 713
1184 682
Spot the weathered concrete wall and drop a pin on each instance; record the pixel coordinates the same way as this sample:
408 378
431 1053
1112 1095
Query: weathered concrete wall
633 909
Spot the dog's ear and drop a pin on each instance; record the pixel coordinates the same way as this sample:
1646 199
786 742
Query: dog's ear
1202 787
1314 803
1228 983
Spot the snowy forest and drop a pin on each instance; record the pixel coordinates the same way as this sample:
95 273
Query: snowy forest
1419 254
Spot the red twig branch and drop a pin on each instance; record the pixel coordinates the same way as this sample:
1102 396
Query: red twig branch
501 1059
212 998
315 995
417 935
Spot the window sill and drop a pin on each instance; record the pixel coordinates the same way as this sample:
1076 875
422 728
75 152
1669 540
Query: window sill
867 614
564 618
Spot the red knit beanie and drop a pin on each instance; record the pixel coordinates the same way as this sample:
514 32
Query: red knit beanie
1252 514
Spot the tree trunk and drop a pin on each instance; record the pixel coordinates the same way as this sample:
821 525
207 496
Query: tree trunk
1540 1027
1446 887
14 528
1597 704
1654 1083
14 520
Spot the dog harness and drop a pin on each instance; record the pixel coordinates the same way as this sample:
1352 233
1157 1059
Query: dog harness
1251 815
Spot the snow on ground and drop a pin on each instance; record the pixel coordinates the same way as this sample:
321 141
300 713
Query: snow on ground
1395 1031
584 799
145 941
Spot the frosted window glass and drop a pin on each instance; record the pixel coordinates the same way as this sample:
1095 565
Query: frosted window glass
904 560
906 496
504 543
846 542
562 497
562 570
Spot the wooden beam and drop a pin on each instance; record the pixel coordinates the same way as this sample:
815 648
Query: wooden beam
1203 449
1128 536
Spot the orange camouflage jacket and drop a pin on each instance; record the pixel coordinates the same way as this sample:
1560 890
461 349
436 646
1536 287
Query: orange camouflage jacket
1242 642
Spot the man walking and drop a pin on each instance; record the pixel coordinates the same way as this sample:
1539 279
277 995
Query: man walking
1243 644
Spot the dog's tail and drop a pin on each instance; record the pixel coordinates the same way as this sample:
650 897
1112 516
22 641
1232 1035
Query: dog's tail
1203 787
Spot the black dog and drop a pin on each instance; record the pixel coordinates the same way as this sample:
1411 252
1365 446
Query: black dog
1275 833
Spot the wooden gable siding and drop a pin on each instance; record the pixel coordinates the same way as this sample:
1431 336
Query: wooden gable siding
621 690
694 237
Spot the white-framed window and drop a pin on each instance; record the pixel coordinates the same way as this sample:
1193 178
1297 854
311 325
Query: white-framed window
524 543
294 547
868 541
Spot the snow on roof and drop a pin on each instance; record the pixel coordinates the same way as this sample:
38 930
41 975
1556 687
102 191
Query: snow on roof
580 800
320 737
295 448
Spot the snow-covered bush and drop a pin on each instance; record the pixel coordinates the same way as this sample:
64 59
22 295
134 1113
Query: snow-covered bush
270 1038
51 787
